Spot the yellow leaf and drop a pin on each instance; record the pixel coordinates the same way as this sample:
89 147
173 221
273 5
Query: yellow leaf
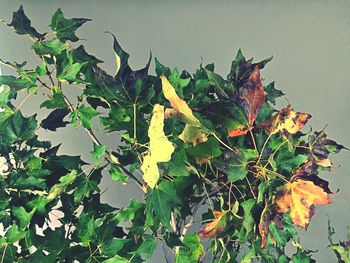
288 120
299 197
117 63
160 148
192 132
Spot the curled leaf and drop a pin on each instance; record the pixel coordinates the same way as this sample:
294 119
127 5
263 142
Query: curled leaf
286 120
300 197
214 228
192 132
160 148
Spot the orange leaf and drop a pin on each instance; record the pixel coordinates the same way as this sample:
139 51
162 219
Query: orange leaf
299 197
215 227
286 119
324 162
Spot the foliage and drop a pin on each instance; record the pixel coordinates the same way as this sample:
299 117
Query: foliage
190 142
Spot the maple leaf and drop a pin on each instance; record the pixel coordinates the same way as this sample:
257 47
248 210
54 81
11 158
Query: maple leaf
251 98
192 132
300 197
286 120
160 148
214 228
320 147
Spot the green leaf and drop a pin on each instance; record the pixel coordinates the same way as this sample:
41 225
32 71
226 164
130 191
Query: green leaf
85 114
84 189
248 221
14 83
65 28
19 128
342 251
302 257
273 93
161 70
68 179
128 213
85 228
69 70
159 203
14 234
249 256
117 175
97 154
191 250
147 247
178 167
22 24
49 47
22 215
56 101
209 149
116 259
114 247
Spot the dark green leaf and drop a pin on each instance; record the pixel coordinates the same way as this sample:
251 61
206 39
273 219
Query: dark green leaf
65 28
22 24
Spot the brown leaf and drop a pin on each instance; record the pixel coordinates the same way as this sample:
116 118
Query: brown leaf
214 228
300 197
286 120
251 98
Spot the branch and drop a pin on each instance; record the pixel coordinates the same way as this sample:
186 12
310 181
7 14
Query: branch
96 140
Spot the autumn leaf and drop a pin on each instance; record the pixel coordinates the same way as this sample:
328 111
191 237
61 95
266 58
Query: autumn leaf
320 148
286 120
192 132
251 98
300 197
160 148
214 228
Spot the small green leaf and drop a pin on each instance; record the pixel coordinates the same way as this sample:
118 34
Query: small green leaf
49 47
273 93
56 101
97 154
117 175
161 70
85 114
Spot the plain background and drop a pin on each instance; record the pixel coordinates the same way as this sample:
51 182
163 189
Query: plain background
310 42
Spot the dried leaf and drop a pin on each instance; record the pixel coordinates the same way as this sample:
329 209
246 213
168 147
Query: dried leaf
299 197
214 228
286 120
160 148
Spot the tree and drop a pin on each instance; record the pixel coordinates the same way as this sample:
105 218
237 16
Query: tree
190 142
